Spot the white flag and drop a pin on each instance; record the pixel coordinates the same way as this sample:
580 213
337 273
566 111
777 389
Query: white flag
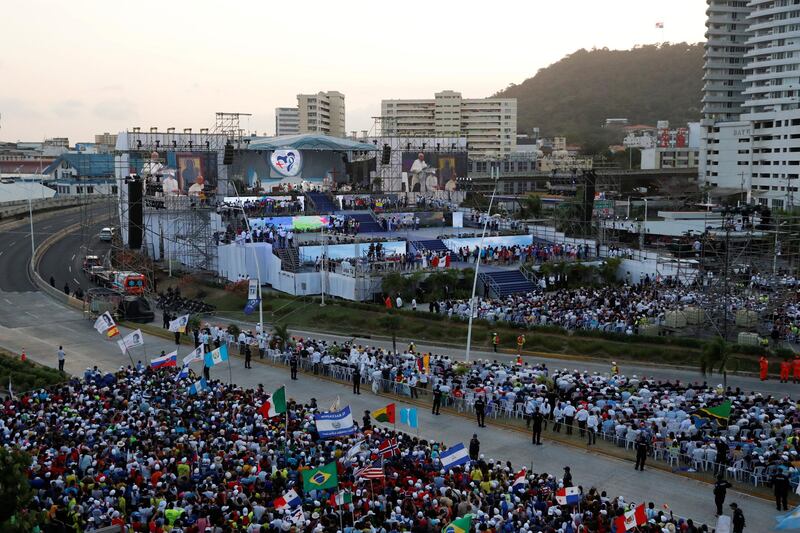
104 322
134 339
195 355
179 324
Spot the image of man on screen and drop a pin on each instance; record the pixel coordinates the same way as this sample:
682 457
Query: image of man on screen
418 169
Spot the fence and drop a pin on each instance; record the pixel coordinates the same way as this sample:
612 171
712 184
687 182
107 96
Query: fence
687 457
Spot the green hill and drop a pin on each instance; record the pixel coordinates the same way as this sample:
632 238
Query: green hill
575 95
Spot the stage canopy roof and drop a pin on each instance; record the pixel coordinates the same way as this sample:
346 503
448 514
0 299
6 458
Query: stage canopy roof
309 141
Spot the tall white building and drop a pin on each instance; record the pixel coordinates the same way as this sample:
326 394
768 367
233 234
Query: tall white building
751 139
287 121
322 113
489 124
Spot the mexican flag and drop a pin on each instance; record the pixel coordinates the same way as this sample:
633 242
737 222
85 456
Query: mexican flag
274 405
461 525
385 414
341 498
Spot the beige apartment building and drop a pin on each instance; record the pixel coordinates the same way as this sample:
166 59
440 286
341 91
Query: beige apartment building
322 113
489 124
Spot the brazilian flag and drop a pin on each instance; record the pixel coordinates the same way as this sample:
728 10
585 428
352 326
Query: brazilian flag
460 525
321 478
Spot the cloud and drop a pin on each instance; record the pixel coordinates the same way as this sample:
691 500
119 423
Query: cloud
67 108
119 109
16 108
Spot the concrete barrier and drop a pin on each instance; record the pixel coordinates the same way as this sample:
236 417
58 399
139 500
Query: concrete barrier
19 209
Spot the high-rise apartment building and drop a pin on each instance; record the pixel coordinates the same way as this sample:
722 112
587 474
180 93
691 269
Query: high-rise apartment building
322 113
489 124
287 121
751 139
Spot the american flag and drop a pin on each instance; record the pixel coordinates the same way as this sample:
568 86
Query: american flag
371 471
388 448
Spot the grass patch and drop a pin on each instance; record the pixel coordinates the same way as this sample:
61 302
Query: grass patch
27 375
364 319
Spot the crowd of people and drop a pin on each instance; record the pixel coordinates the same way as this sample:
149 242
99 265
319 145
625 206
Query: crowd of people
265 206
533 253
133 448
663 419
619 309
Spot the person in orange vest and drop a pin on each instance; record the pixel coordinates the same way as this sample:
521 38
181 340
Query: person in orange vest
614 368
796 369
520 343
786 366
763 366
495 341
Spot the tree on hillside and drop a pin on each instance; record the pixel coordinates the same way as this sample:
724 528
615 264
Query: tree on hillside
575 95
280 332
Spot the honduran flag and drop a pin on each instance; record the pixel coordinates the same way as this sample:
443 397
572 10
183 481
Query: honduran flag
165 361
520 481
568 496
288 500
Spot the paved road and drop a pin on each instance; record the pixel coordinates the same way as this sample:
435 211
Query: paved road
32 321
64 259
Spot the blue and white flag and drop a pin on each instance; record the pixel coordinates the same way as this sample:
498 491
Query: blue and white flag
184 373
454 456
217 356
335 424
408 416
252 297
198 386
194 355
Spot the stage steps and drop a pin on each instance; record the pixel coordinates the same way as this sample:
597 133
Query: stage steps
323 203
367 223
434 245
502 283
290 259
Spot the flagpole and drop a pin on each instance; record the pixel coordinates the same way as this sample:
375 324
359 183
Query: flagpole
128 353
230 371
341 525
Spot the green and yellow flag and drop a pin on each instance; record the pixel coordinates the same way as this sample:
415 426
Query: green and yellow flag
721 412
460 525
321 478
385 414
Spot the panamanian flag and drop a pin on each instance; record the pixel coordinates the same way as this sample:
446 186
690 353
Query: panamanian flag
288 500
568 495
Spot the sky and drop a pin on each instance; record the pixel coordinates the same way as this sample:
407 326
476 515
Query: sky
78 68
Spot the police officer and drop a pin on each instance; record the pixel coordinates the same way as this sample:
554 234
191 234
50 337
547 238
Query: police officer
357 380
780 485
642 447
366 421
248 355
437 400
293 366
737 519
480 411
720 491
474 447
537 420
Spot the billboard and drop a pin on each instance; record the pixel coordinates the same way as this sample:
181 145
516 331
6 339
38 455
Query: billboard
188 167
678 138
298 223
444 168
270 168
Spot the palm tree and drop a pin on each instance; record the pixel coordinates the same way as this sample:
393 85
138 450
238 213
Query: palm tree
281 334
717 354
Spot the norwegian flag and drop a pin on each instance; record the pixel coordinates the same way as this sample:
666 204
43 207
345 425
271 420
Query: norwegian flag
520 481
388 448
371 471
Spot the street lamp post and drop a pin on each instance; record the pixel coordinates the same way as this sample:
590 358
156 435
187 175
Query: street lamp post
494 175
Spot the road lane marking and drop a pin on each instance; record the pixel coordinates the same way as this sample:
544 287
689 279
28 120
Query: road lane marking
12 243
9 302
76 281
73 257
69 268
34 316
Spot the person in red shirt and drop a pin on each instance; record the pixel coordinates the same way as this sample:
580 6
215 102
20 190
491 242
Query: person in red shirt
786 366
763 367
796 369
